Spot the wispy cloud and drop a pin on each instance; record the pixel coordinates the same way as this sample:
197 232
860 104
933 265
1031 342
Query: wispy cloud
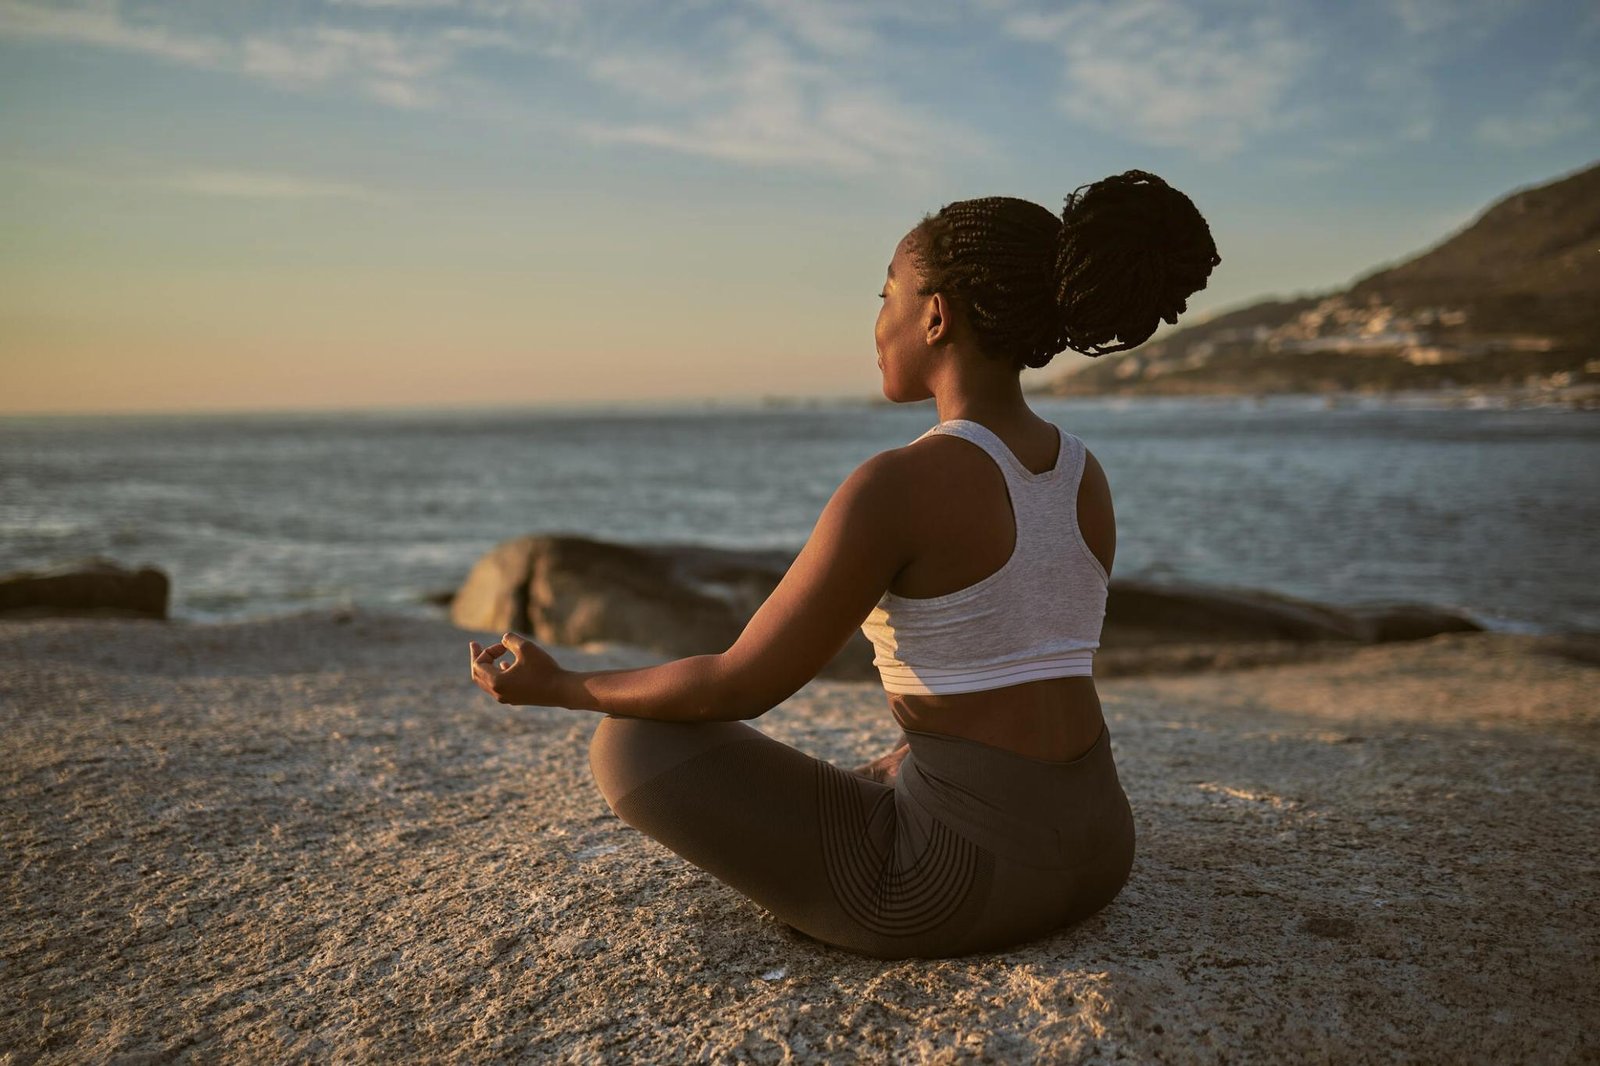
393 69
249 185
1473 18
769 83
830 26
400 5
761 102
1565 106
830 86
786 83
208 182
100 23
1167 72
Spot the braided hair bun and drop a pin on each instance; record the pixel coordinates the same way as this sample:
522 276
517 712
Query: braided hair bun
1126 254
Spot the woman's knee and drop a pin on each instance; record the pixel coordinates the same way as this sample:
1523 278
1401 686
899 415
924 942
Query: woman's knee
610 758
624 753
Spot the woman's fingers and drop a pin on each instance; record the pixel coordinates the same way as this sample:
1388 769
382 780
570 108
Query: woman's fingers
483 660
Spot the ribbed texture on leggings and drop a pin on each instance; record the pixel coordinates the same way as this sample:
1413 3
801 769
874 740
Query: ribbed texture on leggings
897 891
1036 812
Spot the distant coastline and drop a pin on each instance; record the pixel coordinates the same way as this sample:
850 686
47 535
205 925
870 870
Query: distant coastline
1557 390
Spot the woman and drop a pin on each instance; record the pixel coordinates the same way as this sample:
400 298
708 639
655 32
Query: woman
976 559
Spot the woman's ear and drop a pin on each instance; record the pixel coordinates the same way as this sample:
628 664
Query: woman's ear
938 320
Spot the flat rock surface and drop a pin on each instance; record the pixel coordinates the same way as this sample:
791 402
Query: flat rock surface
314 838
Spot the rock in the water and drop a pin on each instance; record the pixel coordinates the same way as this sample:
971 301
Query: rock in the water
1139 612
1379 625
91 587
1142 613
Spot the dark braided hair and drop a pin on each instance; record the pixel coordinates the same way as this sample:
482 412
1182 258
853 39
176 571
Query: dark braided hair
1125 255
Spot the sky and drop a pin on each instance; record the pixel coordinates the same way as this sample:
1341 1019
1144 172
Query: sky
342 204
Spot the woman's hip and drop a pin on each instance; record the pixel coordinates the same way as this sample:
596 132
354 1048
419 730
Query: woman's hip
1039 814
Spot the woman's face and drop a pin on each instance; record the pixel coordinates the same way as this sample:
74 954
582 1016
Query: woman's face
902 333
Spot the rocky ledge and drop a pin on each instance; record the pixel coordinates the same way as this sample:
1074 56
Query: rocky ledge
682 600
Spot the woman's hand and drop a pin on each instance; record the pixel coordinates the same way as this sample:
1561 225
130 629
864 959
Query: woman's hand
885 768
531 679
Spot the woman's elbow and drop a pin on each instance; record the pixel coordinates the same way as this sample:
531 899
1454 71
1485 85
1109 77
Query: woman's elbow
745 694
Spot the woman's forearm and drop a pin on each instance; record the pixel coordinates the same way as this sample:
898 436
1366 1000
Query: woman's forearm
684 690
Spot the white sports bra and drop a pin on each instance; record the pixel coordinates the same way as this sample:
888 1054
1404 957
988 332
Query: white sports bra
1038 616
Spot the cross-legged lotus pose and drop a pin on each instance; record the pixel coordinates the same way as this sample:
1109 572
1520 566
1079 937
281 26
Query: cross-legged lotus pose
976 559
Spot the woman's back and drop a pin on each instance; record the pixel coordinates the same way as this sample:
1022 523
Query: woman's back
963 530
980 574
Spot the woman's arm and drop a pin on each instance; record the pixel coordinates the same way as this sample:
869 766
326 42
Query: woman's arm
852 555
684 690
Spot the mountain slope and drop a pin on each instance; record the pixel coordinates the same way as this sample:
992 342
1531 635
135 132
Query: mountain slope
1514 295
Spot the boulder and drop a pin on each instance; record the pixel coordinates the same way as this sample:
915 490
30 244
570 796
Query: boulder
495 594
1143 613
94 587
1380 624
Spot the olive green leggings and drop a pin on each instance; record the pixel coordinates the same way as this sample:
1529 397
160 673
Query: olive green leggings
971 849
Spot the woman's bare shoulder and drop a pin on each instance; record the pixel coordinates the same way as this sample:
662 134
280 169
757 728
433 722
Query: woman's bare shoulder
938 454
1094 475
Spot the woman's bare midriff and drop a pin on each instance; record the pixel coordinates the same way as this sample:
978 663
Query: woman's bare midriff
1057 719
970 535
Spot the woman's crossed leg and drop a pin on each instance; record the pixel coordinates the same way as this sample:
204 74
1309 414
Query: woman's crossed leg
839 857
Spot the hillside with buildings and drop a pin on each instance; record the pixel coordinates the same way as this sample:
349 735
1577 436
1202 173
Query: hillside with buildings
1513 299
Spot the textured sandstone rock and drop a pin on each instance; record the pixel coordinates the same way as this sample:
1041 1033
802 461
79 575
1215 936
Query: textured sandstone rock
313 839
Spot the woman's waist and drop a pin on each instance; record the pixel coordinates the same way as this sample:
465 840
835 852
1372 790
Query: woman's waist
1054 720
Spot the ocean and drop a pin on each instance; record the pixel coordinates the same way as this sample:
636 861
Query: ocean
1491 510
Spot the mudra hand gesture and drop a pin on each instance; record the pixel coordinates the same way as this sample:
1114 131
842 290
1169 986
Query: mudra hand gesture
529 679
